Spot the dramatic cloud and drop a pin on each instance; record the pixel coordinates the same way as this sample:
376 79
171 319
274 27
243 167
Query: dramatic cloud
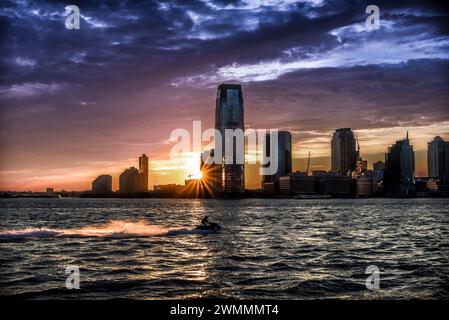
31 89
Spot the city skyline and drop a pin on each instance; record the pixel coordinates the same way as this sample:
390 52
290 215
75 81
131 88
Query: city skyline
141 179
229 115
307 67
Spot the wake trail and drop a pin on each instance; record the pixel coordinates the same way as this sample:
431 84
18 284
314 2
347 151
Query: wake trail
114 228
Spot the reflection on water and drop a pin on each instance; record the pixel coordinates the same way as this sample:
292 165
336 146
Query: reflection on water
287 249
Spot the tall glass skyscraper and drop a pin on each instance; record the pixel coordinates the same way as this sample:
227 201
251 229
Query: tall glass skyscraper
438 159
284 154
343 151
229 115
399 173
143 173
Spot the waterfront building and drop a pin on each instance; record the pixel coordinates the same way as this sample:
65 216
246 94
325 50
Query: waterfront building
368 184
284 158
379 166
399 173
229 114
297 183
343 151
338 185
268 188
438 160
129 181
170 190
102 184
143 173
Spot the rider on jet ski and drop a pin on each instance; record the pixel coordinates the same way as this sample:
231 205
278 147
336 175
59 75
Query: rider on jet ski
206 224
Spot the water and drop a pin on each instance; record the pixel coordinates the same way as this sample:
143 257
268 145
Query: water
283 249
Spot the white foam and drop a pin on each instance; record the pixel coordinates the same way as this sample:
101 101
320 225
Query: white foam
114 229
30 233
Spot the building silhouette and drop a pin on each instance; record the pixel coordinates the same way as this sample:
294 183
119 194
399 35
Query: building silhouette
343 151
438 159
102 184
399 173
143 173
129 181
297 183
284 160
379 166
229 115
367 186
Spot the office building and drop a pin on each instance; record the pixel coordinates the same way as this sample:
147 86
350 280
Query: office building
284 158
102 184
438 160
297 183
229 115
366 186
379 166
399 173
343 151
129 181
143 173
337 185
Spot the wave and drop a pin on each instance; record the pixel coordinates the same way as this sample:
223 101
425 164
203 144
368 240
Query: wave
114 228
30 233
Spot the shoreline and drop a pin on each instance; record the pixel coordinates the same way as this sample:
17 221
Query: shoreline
439 196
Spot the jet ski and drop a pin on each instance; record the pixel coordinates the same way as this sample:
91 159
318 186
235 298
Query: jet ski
211 226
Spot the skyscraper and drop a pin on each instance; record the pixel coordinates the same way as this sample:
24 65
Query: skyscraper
229 115
343 151
438 159
399 173
102 184
379 166
284 154
129 181
143 173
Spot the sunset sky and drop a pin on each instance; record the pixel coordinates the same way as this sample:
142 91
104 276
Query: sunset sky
78 103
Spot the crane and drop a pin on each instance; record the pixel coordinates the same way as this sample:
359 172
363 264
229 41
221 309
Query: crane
308 164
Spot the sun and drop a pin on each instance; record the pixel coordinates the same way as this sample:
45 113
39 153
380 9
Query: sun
193 166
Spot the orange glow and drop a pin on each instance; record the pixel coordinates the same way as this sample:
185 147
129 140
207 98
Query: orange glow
373 142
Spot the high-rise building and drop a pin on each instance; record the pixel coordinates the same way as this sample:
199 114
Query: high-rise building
343 151
379 166
102 184
229 115
129 181
284 158
143 173
399 173
438 159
